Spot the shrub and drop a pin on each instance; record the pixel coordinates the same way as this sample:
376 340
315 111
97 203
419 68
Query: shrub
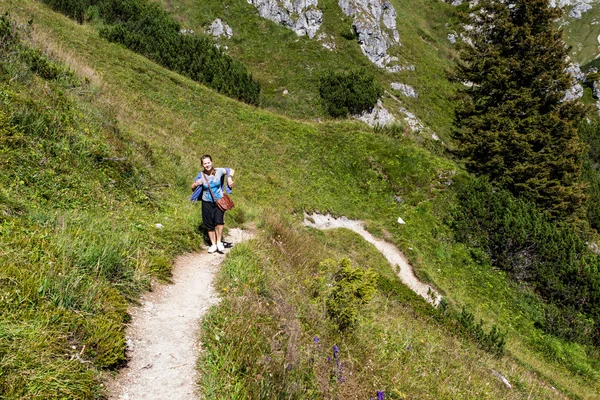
147 29
523 241
350 92
492 341
352 288
590 134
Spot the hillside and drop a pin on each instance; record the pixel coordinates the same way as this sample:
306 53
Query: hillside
92 160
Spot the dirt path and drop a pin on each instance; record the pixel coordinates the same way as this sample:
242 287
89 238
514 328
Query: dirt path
389 251
163 342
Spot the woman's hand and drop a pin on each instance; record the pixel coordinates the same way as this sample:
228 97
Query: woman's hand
230 181
196 184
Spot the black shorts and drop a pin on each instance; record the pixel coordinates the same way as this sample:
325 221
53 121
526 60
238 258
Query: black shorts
212 215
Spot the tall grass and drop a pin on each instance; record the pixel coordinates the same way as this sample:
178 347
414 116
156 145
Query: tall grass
161 123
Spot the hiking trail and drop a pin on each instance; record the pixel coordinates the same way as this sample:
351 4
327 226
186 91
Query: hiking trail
163 337
163 340
394 256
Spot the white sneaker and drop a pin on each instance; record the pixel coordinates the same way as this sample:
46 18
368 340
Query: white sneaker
220 246
212 248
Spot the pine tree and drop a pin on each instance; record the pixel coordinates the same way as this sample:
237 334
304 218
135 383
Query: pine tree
513 123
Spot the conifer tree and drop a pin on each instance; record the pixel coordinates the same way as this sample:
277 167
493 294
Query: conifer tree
513 123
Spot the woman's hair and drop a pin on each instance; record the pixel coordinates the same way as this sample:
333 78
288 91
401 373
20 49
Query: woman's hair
205 157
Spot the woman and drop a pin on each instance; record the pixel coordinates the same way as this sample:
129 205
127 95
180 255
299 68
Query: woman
212 216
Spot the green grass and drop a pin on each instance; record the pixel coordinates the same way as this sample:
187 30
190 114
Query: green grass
281 60
85 232
582 35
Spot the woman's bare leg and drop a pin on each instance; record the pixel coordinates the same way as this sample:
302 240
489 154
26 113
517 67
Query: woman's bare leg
213 236
219 233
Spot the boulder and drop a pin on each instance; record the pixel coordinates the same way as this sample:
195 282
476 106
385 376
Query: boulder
379 116
374 22
219 28
302 16
405 90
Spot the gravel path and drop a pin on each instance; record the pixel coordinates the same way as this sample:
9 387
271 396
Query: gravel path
389 251
163 342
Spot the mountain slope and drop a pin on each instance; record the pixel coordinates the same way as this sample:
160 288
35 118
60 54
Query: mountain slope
287 167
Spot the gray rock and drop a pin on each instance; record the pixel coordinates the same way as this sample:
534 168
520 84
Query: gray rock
374 22
411 119
219 28
576 92
302 16
579 9
405 90
502 379
379 116
575 71
596 89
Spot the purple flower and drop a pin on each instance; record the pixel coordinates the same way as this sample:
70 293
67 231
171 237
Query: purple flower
342 379
336 350
316 339
329 358
380 395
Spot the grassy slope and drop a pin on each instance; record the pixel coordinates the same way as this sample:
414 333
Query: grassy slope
180 120
582 35
282 60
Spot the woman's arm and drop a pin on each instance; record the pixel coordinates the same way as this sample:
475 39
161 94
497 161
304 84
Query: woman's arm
230 177
197 182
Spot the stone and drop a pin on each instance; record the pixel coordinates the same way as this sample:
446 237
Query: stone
405 90
411 119
374 22
596 89
576 92
379 116
502 379
577 11
302 16
219 28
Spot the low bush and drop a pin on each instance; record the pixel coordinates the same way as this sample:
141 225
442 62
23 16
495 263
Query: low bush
590 134
352 287
523 241
147 29
350 92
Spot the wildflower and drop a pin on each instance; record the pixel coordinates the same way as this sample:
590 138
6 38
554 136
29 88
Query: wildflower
316 339
342 379
336 350
380 395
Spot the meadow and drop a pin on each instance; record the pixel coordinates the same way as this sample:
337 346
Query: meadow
92 160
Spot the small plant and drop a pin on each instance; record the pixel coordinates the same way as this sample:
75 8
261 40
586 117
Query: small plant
349 92
352 288
492 341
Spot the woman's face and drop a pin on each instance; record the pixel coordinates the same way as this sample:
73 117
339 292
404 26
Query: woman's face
207 164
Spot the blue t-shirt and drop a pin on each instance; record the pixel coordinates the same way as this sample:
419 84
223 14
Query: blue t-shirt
215 184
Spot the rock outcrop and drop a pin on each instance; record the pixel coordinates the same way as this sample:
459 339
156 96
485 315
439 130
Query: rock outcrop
219 28
405 90
576 91
302 16
374 22
578 6
378 116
